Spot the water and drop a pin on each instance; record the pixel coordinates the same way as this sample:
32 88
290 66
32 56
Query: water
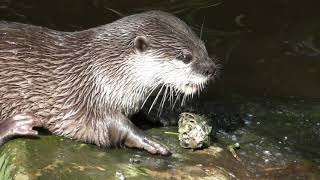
279 139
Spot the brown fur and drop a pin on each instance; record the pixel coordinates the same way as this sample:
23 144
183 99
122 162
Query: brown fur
59 77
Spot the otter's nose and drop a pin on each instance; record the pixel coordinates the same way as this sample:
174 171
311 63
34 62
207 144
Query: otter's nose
209 70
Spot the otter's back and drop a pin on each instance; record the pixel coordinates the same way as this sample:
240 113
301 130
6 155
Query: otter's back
27 80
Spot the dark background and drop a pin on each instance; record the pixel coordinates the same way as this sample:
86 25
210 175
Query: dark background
267 48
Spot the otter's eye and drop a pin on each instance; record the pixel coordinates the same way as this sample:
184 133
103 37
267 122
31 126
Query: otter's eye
185 57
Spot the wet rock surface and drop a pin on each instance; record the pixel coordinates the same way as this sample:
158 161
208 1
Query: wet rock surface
194 131
279 139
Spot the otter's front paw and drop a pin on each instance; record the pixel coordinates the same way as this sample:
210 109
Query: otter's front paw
19 125
148 144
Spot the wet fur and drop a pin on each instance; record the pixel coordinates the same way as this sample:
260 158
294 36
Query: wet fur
80 83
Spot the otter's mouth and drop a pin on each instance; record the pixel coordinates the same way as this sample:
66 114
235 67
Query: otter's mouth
190 88
193 87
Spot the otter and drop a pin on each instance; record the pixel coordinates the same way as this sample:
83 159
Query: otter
85 84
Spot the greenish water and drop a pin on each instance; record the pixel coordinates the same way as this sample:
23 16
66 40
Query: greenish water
278 140
267 98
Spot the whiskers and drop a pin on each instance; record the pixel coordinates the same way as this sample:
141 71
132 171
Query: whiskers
173 96
199 87
155 100
201 29
217 73
168 93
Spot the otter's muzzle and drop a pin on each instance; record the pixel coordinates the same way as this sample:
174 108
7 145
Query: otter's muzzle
206 68
209 70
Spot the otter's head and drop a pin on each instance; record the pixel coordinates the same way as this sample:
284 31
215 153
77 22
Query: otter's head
167 52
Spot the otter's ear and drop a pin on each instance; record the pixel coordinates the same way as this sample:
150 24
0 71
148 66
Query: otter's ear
141 43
